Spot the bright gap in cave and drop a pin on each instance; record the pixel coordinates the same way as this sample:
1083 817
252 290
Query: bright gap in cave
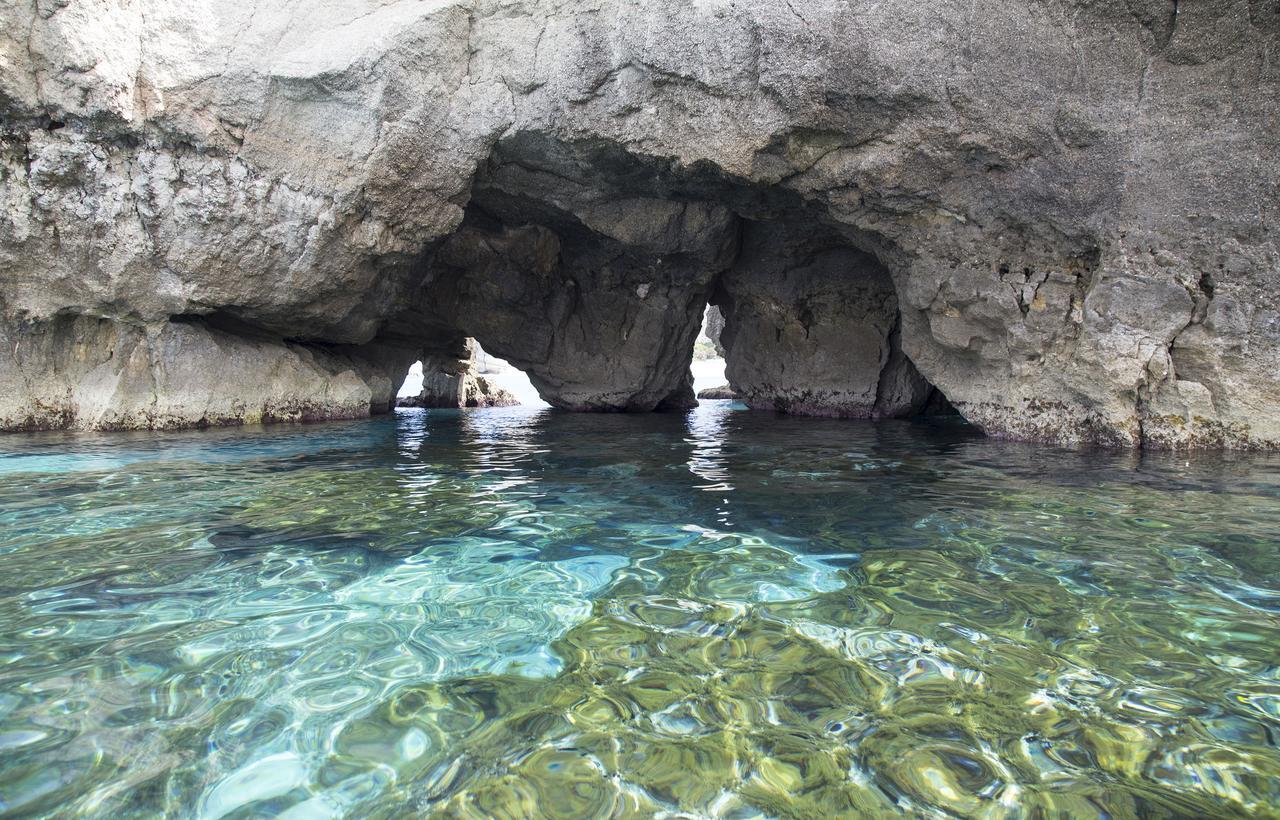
707 365
497 371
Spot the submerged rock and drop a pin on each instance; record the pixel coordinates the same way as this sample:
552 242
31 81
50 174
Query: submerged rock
1059 217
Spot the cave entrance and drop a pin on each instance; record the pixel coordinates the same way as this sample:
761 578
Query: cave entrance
478 380
590 269
506 376
708 366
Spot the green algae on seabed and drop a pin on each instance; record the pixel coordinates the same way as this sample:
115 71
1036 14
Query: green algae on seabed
514 614
675 703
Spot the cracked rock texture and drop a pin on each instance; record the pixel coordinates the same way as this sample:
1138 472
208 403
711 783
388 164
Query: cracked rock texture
1060 215
591 281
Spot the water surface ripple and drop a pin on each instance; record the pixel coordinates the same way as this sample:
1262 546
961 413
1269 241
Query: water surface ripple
521 613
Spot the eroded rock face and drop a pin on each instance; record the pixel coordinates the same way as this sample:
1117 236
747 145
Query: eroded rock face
713 327
1074 204
811 327
81 373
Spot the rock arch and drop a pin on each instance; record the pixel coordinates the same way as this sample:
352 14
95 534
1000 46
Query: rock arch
590 268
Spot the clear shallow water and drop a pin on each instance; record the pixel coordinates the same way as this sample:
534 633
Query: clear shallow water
516 613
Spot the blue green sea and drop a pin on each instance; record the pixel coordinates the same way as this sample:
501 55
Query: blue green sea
516 613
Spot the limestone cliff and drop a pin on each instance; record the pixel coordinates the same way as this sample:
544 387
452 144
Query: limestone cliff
1060 215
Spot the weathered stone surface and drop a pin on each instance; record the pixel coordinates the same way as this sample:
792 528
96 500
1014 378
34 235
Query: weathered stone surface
462 391
83 373
1075 202
587 281
724 391
811 327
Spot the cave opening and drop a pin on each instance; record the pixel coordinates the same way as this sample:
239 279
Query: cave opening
590 269
496 383
708 367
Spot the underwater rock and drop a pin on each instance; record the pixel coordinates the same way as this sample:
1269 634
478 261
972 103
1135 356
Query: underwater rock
1074 219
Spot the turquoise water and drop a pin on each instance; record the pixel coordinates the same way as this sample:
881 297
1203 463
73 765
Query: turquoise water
516 613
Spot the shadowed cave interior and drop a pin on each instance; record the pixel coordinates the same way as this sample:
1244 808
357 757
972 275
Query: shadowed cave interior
590 270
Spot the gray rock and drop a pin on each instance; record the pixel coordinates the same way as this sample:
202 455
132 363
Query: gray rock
82 373
713 328
811 326
463 392
595 290
213 212
724 391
